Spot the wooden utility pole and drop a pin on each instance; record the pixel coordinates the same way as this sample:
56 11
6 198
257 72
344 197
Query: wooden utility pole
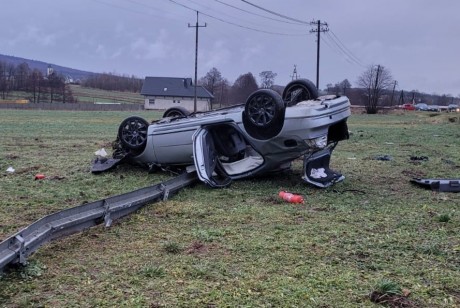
196 26
320 27
393 93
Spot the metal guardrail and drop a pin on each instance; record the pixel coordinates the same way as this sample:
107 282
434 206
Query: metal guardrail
18 247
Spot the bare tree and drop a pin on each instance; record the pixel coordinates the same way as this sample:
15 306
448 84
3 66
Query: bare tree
34 80
344 85
211 80
267 79
244 85
374 81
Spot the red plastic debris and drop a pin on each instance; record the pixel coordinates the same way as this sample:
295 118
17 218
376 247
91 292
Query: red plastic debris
39 176
291 198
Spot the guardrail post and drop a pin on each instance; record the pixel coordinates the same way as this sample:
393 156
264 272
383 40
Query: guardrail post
165 191
107 214
19 242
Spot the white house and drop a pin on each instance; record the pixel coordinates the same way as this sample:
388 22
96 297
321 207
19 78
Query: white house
166 92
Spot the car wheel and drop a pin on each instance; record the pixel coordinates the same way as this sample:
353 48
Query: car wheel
263 115
133 133
176 112
299 90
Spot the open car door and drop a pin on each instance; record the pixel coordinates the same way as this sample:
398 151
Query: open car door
222 153
205 156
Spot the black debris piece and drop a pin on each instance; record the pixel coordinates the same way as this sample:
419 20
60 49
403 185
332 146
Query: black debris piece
441 185
419 158
383 157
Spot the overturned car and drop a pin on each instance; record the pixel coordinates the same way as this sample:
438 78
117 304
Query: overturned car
261 136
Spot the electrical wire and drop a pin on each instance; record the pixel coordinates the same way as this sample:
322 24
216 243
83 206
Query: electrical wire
233 18
234 24
277 14
342 47
344 51
259 15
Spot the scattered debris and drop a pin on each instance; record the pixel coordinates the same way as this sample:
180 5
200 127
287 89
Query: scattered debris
10 170
291 198
39 176
57 178
383 157
419 158
442 185
391 300
390 294
101 153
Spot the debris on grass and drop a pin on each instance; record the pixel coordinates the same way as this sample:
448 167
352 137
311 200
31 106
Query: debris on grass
39 176
101 153
383 157
390 294
419 158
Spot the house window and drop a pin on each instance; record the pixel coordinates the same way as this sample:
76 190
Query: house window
151 101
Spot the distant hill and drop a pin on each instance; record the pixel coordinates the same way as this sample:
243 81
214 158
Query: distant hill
42 66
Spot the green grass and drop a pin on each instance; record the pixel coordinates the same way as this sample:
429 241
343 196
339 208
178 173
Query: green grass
89 95
239 246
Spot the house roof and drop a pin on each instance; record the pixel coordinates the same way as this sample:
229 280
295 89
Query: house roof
172 86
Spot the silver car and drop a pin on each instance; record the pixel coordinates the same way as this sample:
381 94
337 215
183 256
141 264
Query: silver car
261 136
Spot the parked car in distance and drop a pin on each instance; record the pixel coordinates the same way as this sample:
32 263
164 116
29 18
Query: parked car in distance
453 108
408 107
434 108
421 107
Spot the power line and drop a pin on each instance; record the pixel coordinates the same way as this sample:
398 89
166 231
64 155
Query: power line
234 24
224 14
342 47
339 50
255 14
277 14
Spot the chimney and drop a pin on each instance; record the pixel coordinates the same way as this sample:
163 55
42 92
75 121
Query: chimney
187 82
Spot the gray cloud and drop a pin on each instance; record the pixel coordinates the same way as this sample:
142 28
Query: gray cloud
415 39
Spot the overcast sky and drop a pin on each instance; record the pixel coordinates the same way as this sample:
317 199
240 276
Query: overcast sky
415 39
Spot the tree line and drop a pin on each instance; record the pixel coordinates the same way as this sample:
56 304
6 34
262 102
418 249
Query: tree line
111 82
36 86
226 94
376 87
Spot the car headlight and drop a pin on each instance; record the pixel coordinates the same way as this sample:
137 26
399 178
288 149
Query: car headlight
317 143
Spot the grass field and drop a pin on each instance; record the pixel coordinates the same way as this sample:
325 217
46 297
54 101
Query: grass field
374 234
89 95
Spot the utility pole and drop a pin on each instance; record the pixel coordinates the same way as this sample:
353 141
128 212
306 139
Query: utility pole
294 73
393 93
401 98
374 92
196 26
320 27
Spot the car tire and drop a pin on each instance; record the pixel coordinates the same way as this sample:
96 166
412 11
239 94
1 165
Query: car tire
176 112
299 90
132 133
263 116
